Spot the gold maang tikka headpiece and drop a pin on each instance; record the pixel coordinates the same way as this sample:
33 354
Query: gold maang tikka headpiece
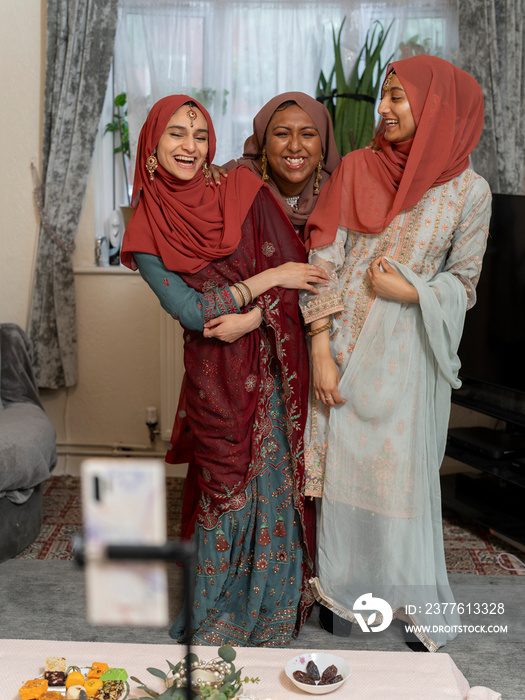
192 114
387 80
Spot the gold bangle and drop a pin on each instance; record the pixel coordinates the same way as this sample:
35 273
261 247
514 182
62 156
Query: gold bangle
242 293
247 292
326 327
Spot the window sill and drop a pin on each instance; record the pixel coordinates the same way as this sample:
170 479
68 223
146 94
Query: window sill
99 270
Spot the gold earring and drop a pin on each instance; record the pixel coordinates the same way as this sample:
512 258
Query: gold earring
206 173
151 165
264 164
318 175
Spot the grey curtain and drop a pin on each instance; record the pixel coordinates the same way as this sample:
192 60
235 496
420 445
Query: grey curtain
491 35
80 40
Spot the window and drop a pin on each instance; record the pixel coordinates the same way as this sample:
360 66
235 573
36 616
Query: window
234 56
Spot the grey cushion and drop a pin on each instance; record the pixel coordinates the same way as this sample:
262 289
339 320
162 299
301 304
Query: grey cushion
19 524
27 444
27 450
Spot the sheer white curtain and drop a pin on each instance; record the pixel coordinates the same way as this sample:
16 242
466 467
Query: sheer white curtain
234 56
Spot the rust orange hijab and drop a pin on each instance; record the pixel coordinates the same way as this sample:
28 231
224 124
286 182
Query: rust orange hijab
186 223
371 187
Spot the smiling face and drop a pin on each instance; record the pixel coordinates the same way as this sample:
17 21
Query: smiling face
396 111
293 149
183 147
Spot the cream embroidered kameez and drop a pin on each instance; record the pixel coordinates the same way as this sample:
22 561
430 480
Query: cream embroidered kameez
375 460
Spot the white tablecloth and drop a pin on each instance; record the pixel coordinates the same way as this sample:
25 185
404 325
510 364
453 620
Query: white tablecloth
377 675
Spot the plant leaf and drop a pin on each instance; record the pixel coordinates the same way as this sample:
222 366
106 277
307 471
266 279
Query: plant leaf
227 653
120 100
157 672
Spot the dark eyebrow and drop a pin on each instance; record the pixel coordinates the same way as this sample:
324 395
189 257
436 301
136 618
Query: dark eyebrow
277 126
181 126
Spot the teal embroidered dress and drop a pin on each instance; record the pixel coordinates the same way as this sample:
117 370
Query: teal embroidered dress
246 406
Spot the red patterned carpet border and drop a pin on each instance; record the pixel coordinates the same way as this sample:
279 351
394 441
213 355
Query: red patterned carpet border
469 548
63 517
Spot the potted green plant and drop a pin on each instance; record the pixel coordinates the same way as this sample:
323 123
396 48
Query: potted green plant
352 103
119 127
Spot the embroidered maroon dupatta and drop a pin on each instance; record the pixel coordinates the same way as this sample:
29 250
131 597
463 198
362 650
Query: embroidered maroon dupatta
229 386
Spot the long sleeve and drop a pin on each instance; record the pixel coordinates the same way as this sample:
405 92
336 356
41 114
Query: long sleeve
329 300
470 238
179 300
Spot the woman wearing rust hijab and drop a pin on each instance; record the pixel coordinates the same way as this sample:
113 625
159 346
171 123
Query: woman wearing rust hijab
235 253
292 148
402 227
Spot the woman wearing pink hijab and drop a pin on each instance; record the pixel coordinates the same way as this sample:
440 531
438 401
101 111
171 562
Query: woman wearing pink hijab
293 150
401 228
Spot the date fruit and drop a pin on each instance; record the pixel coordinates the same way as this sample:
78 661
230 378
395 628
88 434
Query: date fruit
331 681
312 676
329 673
303 677
312 670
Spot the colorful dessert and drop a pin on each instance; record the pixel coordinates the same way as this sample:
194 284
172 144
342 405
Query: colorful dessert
76 692
55 670
91 686
52 695
97 669
75 678
111 690
114 674
33 689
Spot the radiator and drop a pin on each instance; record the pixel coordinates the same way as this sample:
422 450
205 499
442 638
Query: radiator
171 372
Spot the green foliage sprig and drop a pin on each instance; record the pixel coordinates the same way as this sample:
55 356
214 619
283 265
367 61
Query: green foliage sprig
120 126
228 688
354 119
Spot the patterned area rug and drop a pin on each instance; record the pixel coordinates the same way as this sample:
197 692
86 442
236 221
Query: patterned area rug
63 517
469 548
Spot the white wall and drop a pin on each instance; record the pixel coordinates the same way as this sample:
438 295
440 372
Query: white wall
118 316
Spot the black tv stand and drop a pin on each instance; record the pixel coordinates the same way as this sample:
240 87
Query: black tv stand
487 442
494 496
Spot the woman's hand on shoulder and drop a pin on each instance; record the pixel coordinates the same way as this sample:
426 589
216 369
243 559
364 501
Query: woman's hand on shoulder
231 327
387 283
217 172
294 275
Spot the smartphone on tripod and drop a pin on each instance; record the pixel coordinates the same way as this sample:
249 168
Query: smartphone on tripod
124 503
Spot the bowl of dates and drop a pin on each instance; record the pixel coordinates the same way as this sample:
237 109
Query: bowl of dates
317 673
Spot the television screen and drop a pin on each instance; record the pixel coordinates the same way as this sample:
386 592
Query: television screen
492 349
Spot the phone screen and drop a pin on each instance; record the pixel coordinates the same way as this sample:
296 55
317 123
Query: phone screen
124 502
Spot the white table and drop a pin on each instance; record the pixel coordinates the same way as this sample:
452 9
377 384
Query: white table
375 675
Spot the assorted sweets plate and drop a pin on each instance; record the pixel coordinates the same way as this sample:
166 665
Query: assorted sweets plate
58 682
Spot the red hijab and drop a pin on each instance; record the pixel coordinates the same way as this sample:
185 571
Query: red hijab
254 144
371 187
186 223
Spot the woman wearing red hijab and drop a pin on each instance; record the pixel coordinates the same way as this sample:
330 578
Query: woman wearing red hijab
401 228
245 400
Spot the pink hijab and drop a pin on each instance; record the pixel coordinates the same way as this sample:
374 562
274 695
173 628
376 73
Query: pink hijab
254 144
